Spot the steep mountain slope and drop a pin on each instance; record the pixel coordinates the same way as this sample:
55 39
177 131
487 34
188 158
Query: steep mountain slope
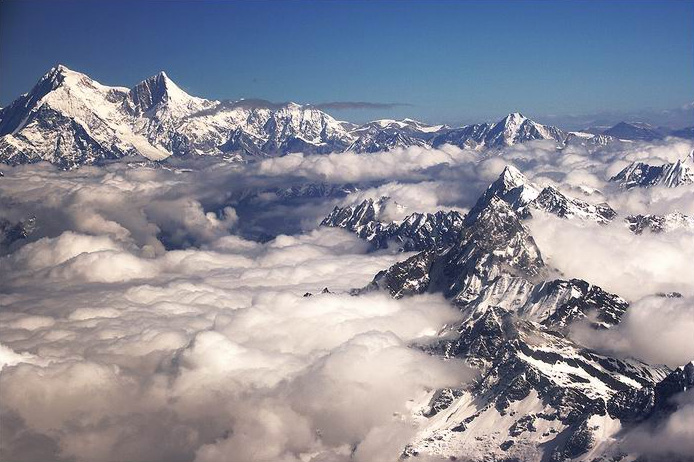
553 201
493 242
421 231
523 197
70 119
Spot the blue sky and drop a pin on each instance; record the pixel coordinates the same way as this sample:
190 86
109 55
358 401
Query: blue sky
444 61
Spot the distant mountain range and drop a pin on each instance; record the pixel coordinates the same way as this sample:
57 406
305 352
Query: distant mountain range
69 119
671 175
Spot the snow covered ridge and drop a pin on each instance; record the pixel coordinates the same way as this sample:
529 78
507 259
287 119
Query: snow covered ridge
670 175
417 231
420 231
69 119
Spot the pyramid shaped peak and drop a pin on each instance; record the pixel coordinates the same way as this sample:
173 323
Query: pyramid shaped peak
161 78
512 176
514 117
157 90
511 170
511 123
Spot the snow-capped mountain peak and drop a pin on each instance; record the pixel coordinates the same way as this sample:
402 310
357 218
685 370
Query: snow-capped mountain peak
512 187
513 121
511 177
512 129
507 130
416 231
522 196
65 89
160 90
61 73
84 122
553 201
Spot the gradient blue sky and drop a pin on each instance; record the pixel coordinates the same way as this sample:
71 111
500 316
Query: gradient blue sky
450 61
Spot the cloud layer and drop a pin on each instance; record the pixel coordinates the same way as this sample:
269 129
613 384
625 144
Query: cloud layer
140 320
210 354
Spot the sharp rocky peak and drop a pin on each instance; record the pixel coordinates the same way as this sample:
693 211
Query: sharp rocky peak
157 90
60 87
522 196
511 177
511 187
416 231
493 242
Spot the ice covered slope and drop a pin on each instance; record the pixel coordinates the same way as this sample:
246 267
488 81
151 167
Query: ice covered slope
69 119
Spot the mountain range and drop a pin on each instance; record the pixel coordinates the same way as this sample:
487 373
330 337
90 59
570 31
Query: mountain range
69 119
670 175
541 394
